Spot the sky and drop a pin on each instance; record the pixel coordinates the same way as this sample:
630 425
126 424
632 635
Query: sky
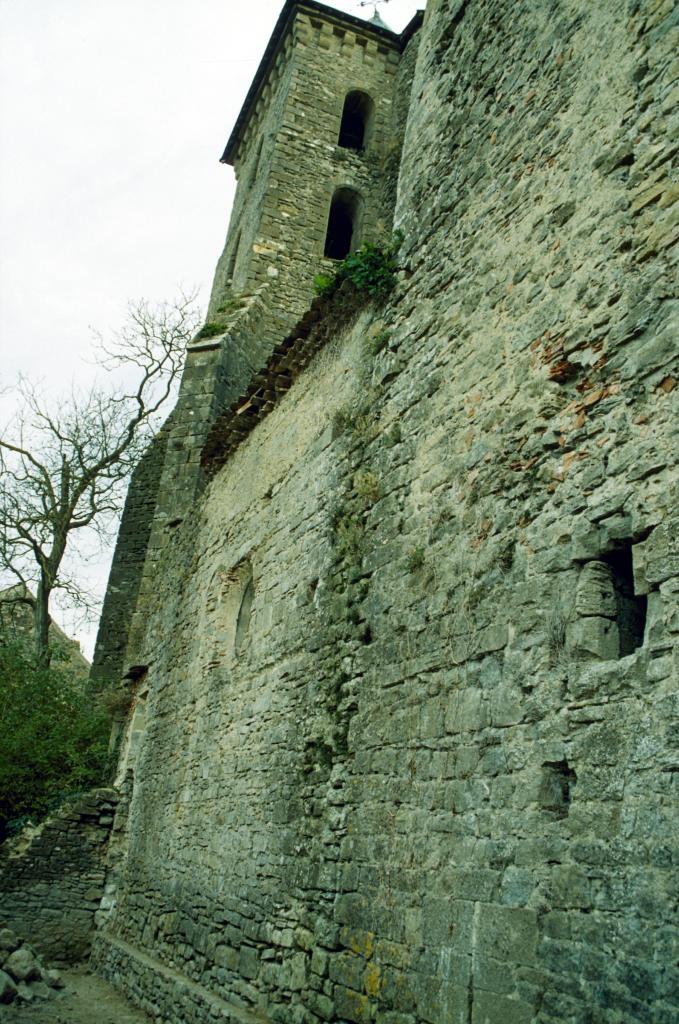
113 116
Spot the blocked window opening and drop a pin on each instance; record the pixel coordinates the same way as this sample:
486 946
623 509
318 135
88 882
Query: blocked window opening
631 608
244 616
136 672
138 723
231 268
356 121
343 223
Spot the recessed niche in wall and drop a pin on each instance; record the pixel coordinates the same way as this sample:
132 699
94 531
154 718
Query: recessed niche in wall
228 611
611 618
630 612
138 723
233 257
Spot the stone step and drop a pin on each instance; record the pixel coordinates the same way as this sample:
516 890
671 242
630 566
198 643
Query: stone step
140 976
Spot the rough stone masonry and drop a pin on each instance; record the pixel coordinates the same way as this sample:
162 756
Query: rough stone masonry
52 879
404 641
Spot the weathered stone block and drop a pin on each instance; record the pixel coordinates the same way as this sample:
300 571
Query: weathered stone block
22 965
352 1006
657 558
594 637
595 594
508 934
8 942
490 1008
347 969
226 956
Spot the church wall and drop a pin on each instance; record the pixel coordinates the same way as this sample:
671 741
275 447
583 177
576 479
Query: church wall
409 753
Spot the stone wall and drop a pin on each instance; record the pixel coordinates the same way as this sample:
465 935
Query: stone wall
52 878
410 746
122 591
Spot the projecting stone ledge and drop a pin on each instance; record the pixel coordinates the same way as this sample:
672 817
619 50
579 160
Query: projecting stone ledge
322 320
148 983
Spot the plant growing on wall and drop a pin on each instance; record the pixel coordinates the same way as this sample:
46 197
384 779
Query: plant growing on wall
371 269
54 740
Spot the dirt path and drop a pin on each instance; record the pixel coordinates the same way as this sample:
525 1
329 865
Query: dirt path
86 999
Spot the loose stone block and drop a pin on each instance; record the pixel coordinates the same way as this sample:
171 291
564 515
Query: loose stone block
596 594
595 637
22 965
8 989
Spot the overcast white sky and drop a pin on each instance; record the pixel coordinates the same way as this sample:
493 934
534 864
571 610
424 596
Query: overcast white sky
113 116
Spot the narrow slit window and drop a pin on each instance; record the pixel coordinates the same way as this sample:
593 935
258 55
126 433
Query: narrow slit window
231 269
356 121
244 615
256 162
343 224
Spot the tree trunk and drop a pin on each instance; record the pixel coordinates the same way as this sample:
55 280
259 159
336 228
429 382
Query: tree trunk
41 641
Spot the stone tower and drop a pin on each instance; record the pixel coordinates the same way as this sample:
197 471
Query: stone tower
310 149
316 151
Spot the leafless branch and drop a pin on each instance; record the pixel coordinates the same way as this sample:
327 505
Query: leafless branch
64 467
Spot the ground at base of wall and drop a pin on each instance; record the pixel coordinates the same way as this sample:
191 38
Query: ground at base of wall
84 1000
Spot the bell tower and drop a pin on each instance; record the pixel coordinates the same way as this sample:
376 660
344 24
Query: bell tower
311 149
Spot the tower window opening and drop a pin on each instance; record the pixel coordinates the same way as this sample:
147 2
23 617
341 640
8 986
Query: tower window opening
342 231
356 120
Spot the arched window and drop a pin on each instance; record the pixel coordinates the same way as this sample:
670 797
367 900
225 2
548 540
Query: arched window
343 223
356 120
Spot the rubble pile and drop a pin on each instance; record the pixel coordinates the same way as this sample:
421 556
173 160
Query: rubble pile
23 977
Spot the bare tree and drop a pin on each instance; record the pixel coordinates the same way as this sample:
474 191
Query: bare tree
64 470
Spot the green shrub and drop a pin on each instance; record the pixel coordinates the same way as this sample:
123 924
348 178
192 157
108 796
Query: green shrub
347 534
210 329
415 559
53 741
371 269
378 342
324 284
395 435
367 486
